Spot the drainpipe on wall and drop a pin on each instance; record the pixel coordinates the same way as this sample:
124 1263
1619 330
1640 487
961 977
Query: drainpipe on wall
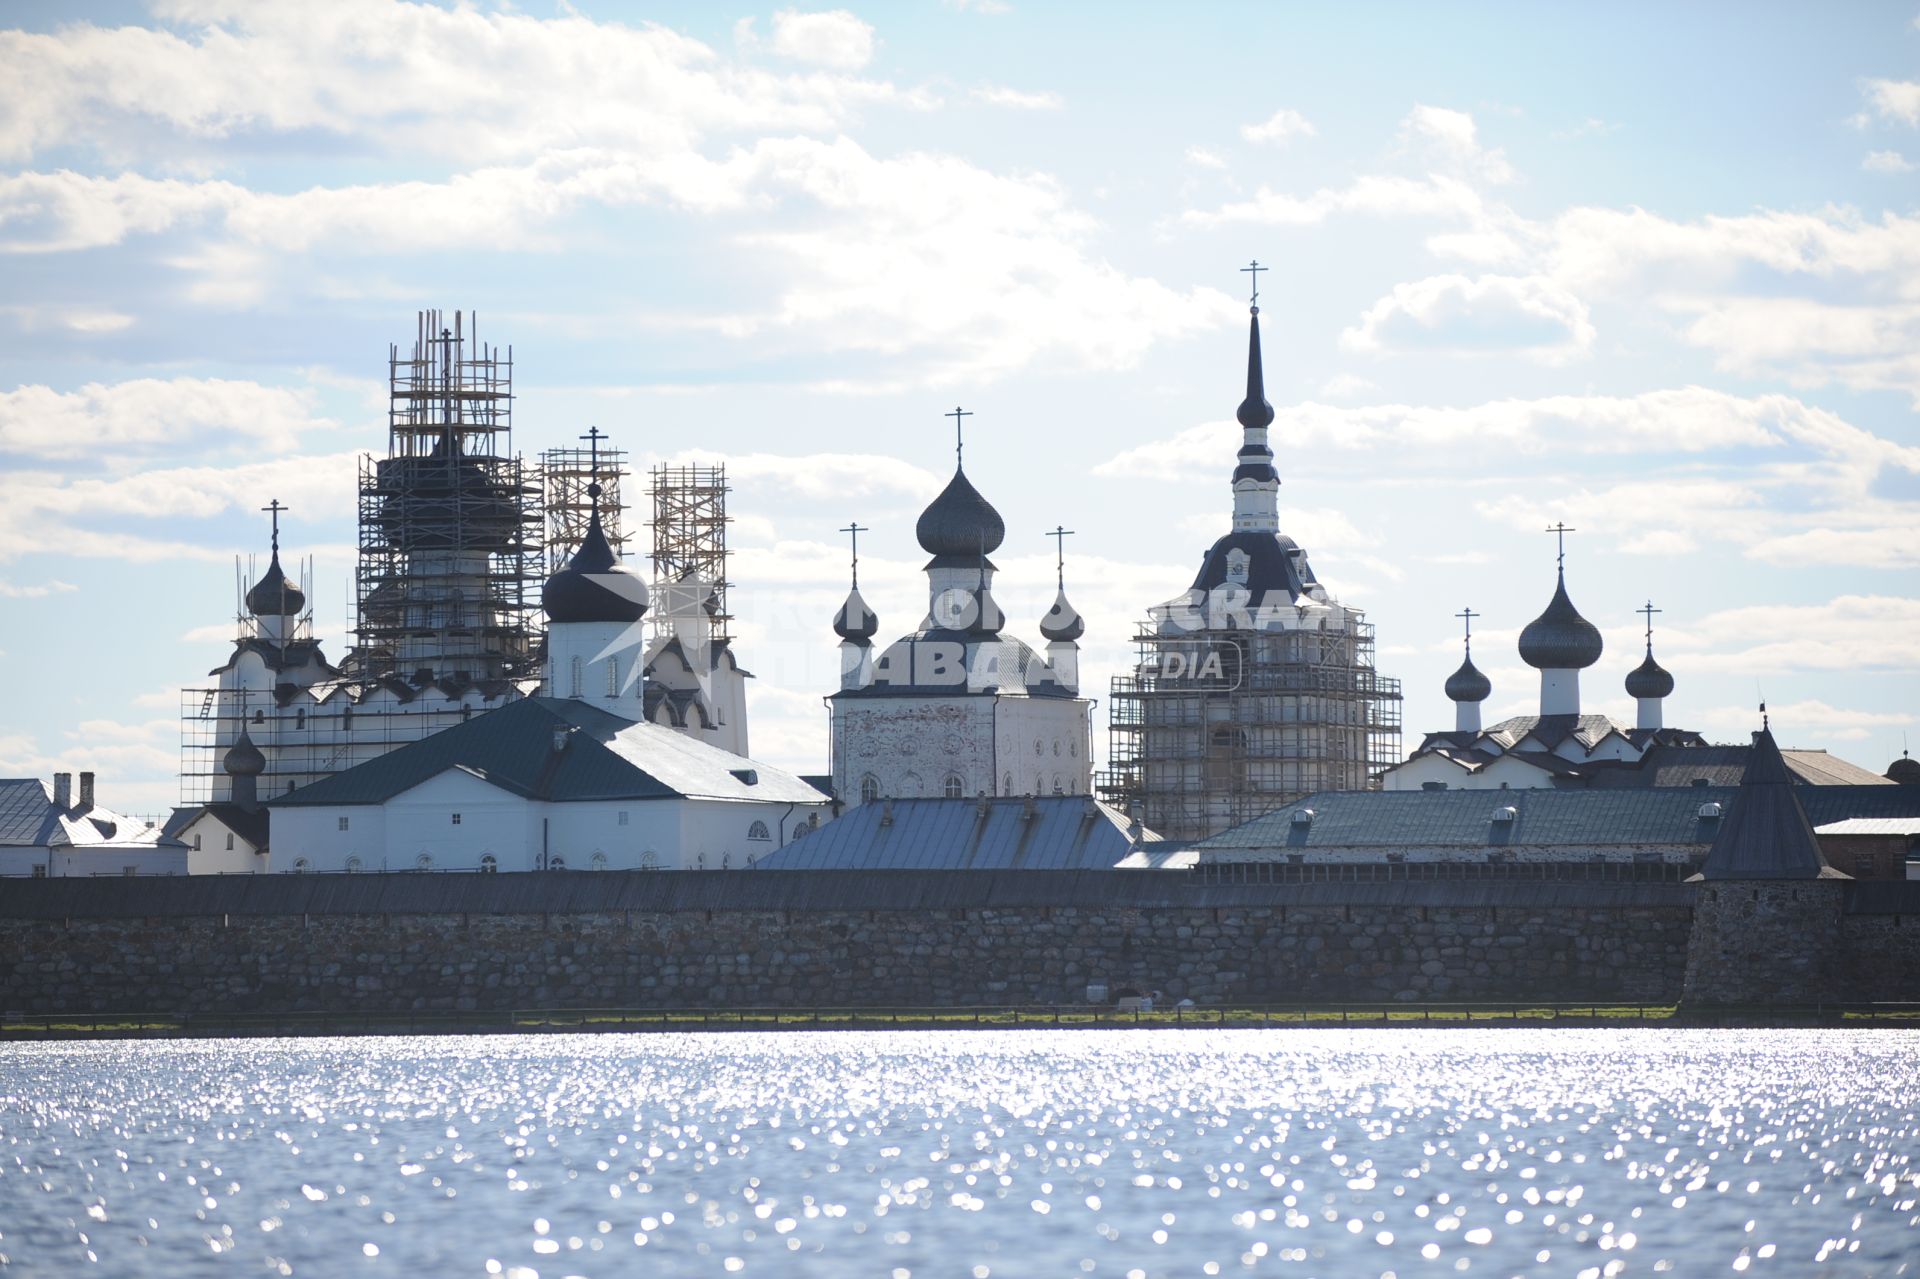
780 831
543 843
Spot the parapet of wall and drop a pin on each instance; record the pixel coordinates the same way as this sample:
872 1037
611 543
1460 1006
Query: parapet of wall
396 943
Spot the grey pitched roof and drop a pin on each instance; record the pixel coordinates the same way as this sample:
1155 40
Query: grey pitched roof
606 758
1724 766
29 818
1767 835
1357 822
27 814
1063 832
249 824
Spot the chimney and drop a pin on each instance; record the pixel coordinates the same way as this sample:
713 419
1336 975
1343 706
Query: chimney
63 791
560 734
86 791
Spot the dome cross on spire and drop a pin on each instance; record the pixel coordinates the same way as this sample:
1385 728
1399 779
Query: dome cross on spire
1467 615
274 508
959 441
853 531
1254 269
1560 530
1469 684
1649 610
1060 535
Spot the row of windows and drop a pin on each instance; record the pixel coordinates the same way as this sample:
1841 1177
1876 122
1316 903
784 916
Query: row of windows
955 787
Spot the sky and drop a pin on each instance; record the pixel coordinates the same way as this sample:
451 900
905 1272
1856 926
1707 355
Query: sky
1650 270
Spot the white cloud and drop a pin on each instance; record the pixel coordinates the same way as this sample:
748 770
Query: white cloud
979 6
37 590
1201 157
1280 128
1450 140
1343 385
1886 162
1000 96
1491 314
146 415
1897 100
834 39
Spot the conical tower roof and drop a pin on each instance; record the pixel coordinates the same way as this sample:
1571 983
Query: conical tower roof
1767 835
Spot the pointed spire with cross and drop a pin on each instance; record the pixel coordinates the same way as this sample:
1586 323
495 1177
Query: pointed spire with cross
1254 269
959 440
853 531
593 437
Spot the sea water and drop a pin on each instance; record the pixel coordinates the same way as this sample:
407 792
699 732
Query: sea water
1585 1153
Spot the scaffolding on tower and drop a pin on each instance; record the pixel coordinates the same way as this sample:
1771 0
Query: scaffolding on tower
690 533
1213 728
564 476
450 536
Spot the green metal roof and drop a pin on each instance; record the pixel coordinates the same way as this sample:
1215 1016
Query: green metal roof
606 757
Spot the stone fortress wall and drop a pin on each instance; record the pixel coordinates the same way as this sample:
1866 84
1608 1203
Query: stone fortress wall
689 939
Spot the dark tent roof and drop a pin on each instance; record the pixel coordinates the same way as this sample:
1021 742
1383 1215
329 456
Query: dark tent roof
1767 835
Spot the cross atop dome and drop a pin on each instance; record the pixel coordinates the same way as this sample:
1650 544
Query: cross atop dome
959 442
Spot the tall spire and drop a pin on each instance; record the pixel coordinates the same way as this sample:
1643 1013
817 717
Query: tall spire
1256 485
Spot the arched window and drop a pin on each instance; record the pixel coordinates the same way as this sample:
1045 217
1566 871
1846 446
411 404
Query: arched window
598 861
759 831
953 787
579 667
725 861
423 862
1006 784
259 717
1056 746
301 865
229 841
1059 786
649 860
353 865
613 677
489 863
869 788
556 862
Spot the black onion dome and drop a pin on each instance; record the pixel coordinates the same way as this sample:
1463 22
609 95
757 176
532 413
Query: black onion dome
243 758
1063 623
273 595
1649 679
1905 771
1468 684
960 522
855 621
1560 639
593 587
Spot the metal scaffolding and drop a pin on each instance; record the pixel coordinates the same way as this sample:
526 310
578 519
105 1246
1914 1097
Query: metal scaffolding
449 522
1211 729
690 532
564 476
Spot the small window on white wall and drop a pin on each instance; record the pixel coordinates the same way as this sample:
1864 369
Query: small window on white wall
623 817
423 862
353 865
579 675
488 863
649 860
556 863
456 818
869 788
343 823
301 865
229 841
953 787
196 843
598 861
613 677
758 831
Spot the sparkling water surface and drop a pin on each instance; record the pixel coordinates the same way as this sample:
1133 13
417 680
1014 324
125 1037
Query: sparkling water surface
968 1153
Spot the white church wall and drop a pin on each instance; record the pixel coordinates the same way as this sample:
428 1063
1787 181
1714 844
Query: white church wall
1042 743
909 746
1418 771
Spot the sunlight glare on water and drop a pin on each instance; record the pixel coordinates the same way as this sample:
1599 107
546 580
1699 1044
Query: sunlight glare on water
1575 1153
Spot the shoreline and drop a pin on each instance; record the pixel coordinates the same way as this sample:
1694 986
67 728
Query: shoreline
30 1028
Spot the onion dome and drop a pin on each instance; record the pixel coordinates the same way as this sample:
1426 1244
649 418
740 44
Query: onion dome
243 758
1468 684
593 587
855 621
273 595
1560 639
1063 623
1905 770
1649 679
960 522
